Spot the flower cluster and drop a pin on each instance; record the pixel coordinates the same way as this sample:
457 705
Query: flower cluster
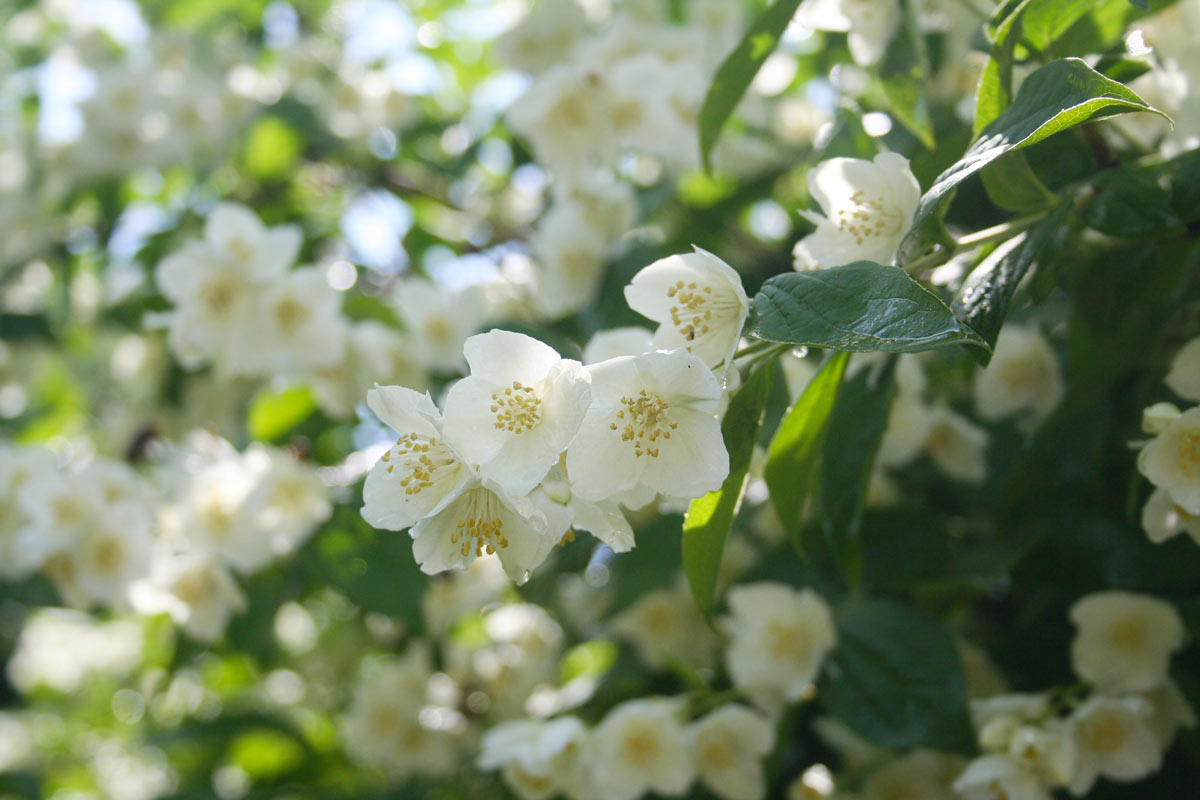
530 444
107 535
1118 728
1171 460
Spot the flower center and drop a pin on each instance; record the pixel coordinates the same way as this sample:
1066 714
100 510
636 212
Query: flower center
420 460
517 408
1104 734
291 314
694 310
866 217
242 250
642 421
788 642
1128 635
480 523
716 753
108 555
1189 452
641 746
217 297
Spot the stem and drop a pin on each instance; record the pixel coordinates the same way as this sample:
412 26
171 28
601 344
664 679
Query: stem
768 354
752 348
1000 232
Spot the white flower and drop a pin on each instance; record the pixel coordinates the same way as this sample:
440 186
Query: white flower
263 253
565 117
199 594
998 777
918 775
288 502
631 340
517 411
1114 740
1157 417
1163 519
1171 461
868 208
779 638
957 446
1124 641
638 747
422 484
870 24
665 625
640 109
543 37
440 319
570 254
375 353
385 727
1170 711
302 324
61 649
1023 376
1184 376
601 518
698 301
539 759
652 422
112 553
728 746
18 465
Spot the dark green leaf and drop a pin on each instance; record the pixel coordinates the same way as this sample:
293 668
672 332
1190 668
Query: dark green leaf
860 307
709 518
1131 204
1056 97
903 77
1183 175
738 70
273 414
375 569
795 451
983 300
896 678
856 429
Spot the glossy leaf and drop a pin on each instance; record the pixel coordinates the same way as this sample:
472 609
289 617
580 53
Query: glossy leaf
896 679
795 451
1131 204
984 298
1057 97
709 518
859 307
738 70
855 431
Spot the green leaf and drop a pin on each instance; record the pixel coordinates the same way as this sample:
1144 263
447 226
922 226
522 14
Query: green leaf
896 679
1183 175
983 300
1131 204
795 451
272 146
904 78
709 518
1044 21
855 431
1011 183
273 414
859 307
738 70
375 569
1056 97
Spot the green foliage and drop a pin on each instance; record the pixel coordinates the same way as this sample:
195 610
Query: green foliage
858 307
1057 97
273 414
856 429
709 518
984 298
896 678
795 451
904 78
738 70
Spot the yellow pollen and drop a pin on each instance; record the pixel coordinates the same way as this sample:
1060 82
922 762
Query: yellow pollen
480 528
419 459
517 408
788 642
694 307
867 217
644 420
1189 453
